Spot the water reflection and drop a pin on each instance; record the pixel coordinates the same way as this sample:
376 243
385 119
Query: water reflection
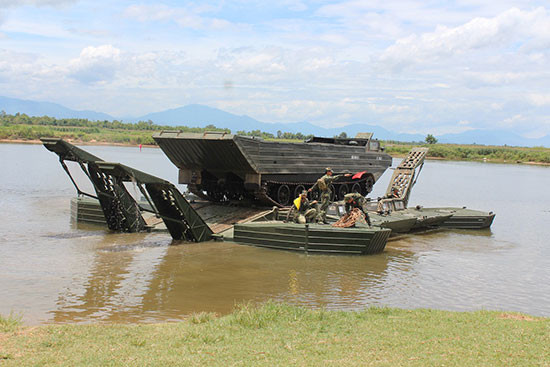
127 282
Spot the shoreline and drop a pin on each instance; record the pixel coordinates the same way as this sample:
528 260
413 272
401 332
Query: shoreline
77 142
104 143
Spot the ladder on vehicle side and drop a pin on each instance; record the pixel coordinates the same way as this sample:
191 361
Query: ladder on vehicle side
405 175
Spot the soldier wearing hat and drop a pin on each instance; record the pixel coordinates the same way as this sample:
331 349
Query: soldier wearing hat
303 210
355 200
323 185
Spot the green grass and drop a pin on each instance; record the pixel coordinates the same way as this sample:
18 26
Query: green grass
281 335
9 323
484 153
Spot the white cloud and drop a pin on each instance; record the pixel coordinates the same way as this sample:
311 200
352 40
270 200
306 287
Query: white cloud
331 66
96 64
539 100
530 28
185 17
517 119
276 65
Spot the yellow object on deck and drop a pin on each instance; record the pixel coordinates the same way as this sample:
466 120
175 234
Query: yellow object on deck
298 202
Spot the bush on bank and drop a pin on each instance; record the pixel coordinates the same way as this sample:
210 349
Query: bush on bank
479 153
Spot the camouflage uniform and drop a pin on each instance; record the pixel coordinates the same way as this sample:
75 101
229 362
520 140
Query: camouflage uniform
305 214
355 200
323 184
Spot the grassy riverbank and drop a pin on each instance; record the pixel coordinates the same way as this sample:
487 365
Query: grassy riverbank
481 153
282 335
21 128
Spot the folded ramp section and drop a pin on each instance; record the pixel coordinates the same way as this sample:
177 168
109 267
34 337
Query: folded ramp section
405 175
181 220
121 211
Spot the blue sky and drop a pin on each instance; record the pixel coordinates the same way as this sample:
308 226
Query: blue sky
410 66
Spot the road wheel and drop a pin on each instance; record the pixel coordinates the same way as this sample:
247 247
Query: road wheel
369 183
298 190
343 190
283 195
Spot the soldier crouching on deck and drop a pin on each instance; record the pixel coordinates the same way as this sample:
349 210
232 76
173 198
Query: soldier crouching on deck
355 200
304 211
323 184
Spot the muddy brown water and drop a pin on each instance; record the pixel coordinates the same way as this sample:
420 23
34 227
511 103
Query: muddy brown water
52 270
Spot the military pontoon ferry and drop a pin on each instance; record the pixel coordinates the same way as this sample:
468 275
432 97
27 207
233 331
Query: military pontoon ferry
204 220
250 224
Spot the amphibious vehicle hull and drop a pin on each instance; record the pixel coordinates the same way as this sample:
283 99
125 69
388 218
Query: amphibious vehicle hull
222 167
464 218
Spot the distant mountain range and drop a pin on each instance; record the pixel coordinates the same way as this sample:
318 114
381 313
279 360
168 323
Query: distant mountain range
195 115
199 115
33 108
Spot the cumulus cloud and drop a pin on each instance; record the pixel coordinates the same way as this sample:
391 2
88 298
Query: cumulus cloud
96 64
529 28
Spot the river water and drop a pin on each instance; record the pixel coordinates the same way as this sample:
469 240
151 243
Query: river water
52 270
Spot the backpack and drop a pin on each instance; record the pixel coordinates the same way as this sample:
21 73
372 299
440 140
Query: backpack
321 184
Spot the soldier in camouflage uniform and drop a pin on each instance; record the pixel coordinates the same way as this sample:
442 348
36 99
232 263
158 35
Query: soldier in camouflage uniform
303 211
355 200
323 185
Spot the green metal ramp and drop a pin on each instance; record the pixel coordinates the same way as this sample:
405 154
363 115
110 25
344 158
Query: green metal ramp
121 211
167 202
